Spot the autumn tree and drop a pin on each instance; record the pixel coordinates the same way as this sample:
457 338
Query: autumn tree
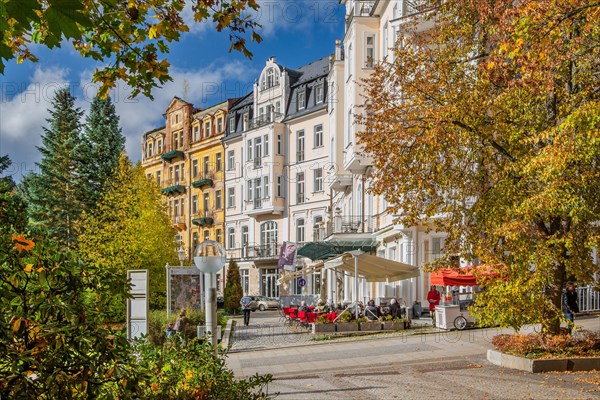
233 288
488 122
130 229
129 38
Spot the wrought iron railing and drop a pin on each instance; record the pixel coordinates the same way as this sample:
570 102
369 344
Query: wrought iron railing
350 224
173 182
265 119
255 251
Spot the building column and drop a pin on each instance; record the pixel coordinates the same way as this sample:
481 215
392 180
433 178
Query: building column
347 298
330 286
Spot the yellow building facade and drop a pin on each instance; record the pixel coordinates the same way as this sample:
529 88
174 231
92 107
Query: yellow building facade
185 157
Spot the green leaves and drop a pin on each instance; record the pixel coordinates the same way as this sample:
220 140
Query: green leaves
65 18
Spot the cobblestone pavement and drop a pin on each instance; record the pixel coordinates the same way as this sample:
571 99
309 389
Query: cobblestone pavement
442 365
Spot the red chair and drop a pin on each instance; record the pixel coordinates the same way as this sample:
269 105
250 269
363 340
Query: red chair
311 308
293 315
302 317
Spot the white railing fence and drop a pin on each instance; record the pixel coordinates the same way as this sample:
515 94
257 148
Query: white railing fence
588 299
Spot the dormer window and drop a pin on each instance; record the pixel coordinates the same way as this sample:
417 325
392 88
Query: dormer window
270 79
301 99
319 94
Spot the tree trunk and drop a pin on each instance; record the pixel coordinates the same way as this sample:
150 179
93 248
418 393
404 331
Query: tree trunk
551 322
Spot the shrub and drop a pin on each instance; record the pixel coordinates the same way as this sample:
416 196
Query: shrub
539 345
157 324
322 319
345 317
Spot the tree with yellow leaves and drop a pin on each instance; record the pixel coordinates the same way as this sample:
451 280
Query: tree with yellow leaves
130 229
490 121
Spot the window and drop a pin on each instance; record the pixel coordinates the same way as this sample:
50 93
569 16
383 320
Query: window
300 99
318 180
219 162
206 235
206 166
176 207
194 241
300 146
206 203
177 140
266 145
279 145
270 79
219 124
319 94
300 230
207 129
300 188
369 50
245 279
159 147
232 124
436 247
318 136
268 238
194 168
250 190
218 200
257 193
231 197
318 228
196 133
245 240
231 160
158 177
257 152
250 149
279 186
266 193
278 107
194 205
246 121
148 149
231 238
349 133
219 236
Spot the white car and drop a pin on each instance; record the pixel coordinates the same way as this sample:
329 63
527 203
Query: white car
264 302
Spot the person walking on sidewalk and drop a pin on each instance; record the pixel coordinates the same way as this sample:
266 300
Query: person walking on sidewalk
246 308
570 306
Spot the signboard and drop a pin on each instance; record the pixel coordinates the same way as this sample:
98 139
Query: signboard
137 305
287 256
301 282
184 288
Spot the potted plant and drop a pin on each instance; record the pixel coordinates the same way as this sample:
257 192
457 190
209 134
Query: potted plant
345 324
369 325
322 324
393 324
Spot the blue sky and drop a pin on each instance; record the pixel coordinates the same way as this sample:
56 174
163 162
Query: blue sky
296 32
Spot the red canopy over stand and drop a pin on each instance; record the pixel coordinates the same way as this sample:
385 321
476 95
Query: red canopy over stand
452 277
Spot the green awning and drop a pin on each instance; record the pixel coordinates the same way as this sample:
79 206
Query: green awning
326 250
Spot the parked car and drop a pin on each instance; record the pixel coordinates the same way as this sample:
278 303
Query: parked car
264 302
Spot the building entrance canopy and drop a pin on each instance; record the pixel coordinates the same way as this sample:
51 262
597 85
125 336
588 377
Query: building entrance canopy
372 268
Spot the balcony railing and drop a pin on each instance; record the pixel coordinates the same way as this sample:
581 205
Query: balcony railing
255 251
173 186
263 120
350 224
588 298
411 7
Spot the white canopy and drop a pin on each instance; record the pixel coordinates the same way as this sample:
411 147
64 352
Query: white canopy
373 268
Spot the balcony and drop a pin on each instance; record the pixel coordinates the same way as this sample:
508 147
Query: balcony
179 223
203 221
263 120
172 187
269 251
339 182
355 160
175 155
349 224
412 16
263 206
203 183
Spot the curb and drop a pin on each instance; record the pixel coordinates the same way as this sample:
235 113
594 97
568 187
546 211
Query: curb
227 335
543 365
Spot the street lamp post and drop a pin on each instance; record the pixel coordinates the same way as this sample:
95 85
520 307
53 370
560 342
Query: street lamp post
210 257
181 255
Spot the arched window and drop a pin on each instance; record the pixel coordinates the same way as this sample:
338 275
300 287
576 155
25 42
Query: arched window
268 238
269 79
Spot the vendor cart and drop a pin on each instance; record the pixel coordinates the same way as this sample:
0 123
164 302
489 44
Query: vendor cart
455 316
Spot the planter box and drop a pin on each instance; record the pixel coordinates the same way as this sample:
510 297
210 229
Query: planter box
370 326
346 326
393 325
320 328
554 364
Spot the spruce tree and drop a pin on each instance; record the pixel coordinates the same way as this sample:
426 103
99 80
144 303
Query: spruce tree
53 194
233 288
99 150
12 208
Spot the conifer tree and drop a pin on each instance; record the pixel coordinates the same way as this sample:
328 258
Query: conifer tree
12 207
53 194
99 150
233 288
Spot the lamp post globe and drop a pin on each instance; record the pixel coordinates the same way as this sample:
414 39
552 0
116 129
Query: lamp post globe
210 257
181 255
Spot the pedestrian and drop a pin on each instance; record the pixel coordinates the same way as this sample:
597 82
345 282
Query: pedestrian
395 310
170 329
433 297
246 302
570 306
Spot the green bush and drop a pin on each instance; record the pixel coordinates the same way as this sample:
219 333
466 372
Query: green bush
157 324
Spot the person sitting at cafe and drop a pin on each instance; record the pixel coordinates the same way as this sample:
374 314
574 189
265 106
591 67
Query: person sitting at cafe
395 310
303 306
321 307
372 312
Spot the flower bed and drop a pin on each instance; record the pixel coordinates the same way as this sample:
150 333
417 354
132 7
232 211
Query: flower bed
580 344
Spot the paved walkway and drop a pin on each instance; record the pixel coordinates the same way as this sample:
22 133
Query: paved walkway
444 365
